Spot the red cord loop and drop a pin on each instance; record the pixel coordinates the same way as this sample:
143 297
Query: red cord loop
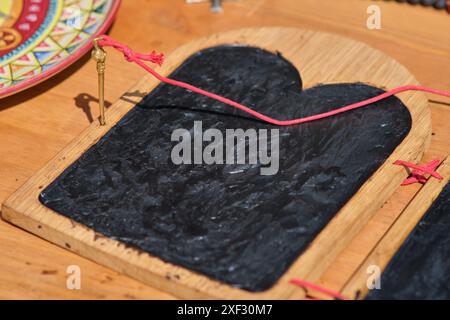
128 53
419 172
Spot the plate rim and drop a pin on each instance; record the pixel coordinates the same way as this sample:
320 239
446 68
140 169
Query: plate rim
71 59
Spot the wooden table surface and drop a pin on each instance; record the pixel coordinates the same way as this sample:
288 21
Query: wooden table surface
36 124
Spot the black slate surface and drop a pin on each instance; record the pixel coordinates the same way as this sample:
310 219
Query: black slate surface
241 228
421 267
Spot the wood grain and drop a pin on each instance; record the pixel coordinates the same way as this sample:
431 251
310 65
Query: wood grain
398 232
39 122
321 58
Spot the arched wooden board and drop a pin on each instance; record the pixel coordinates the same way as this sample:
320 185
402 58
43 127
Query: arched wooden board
392 241
321 58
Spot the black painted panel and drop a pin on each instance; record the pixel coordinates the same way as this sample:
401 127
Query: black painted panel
228 221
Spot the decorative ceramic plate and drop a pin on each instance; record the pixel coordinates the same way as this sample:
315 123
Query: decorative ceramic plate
39 38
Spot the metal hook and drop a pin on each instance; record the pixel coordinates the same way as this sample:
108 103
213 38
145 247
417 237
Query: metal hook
99 55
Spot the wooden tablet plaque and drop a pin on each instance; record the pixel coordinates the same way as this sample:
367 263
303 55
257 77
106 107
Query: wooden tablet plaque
341 66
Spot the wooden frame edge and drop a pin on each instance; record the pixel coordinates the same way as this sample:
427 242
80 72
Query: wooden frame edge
396 235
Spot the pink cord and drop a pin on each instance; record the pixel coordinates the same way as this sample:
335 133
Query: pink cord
137 58
315 287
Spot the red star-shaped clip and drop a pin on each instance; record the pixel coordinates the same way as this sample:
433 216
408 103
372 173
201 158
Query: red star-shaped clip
419 172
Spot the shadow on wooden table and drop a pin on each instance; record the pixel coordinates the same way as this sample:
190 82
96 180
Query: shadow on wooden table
83 101
44 86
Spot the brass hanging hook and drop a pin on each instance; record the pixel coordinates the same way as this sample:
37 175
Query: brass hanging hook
99 55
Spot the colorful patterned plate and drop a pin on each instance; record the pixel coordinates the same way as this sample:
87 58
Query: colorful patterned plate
39 38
